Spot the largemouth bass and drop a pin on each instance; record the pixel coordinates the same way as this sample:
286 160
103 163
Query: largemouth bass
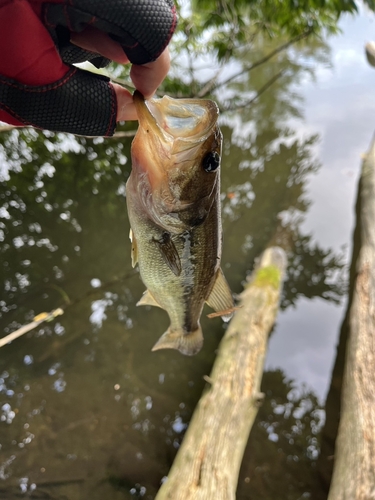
173 200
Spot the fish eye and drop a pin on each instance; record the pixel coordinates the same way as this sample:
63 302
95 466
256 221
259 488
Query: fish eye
211 161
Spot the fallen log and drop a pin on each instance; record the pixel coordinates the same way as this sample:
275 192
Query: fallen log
354 462
207 464
333 400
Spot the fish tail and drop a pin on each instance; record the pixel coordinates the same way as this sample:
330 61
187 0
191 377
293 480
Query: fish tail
187 343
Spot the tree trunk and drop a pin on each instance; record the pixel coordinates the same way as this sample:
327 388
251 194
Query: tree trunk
354 466
333 400
208 462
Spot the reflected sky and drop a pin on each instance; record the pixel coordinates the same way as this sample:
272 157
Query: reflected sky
340 106
74 389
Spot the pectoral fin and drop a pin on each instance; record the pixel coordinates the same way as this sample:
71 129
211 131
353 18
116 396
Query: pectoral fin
169 253
220 298
134 251
148 300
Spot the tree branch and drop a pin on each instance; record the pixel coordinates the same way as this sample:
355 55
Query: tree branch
267 85
254 65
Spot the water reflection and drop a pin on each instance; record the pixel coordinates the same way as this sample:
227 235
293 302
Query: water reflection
280 459
86 408
266 206
87 411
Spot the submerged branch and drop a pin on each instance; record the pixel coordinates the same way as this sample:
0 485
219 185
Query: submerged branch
8 128
50 316
117 135
38 320
121 134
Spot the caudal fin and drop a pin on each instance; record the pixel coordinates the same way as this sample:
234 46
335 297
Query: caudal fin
187 343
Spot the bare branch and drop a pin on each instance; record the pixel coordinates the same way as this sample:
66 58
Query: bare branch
8 128
117 135
120 134
266 86
254 65
209 85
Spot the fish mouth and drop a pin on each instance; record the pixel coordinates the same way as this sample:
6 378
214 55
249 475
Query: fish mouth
182 123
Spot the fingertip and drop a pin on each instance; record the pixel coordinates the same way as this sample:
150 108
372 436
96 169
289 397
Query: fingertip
148 77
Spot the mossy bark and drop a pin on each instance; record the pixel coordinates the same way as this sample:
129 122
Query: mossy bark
208 462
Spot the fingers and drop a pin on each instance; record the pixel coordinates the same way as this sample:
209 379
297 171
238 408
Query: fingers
149 76
146 77
97 41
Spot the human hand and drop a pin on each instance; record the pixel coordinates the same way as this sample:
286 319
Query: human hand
38 85
146 77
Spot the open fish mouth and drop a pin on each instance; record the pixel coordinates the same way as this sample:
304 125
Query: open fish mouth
181 122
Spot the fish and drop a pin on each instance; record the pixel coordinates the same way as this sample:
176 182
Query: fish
173 204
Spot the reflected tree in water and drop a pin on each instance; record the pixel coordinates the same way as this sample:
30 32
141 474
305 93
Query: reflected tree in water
64 231
266 206
65 196
61 203
283 448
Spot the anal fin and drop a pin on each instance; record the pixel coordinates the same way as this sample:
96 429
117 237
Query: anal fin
148 300
220 298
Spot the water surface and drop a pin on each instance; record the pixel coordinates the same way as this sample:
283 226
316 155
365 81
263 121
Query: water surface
86 410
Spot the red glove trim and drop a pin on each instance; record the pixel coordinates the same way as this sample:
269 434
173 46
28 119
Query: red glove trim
27 52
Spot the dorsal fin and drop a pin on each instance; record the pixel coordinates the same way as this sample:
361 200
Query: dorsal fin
169 253
220 298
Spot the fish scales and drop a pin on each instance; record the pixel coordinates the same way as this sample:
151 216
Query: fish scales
182 296
173 200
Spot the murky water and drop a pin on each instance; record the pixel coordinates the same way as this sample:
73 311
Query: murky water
86 410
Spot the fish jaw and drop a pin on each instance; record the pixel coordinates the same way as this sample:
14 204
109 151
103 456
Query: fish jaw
172 141
170 131
180 121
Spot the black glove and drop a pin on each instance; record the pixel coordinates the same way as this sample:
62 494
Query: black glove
142 27
74 101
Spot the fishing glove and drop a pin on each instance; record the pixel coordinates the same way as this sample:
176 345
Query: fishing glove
38 84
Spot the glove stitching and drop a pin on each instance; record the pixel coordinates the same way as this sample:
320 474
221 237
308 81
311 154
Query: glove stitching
113 111
16 115
171 29
46 21
93 130
38 89
67 17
